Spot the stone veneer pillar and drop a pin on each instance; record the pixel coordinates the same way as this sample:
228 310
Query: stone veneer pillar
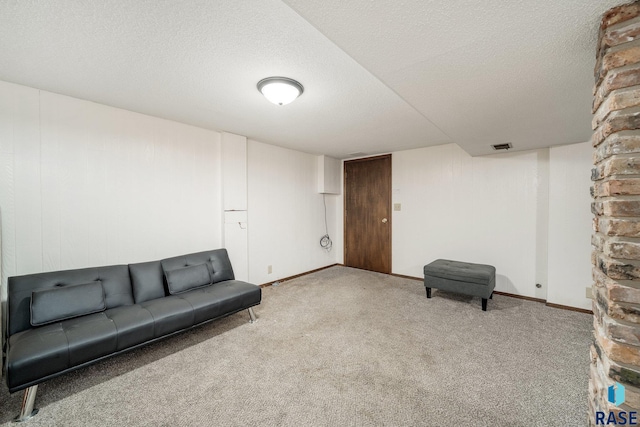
615 353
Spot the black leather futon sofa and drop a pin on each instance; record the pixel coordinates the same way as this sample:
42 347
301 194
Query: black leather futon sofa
61 321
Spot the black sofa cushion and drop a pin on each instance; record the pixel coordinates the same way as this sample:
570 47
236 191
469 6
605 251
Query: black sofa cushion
90 337
147 281
36 353
133 323
115 282
186 278
221 299
65 302
170 314
47 350
217 260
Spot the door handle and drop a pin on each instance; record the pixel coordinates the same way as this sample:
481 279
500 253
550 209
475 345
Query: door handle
384 220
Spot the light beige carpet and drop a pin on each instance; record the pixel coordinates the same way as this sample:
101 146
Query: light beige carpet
342 347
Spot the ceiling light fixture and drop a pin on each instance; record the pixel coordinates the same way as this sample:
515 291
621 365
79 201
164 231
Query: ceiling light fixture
280 90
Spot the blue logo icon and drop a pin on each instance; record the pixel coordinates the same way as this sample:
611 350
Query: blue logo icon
616 394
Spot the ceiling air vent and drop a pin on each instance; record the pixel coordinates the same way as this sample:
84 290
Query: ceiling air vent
502 146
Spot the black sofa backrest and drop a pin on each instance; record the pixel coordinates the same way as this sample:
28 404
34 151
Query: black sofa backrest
148 279
217 261
115 283
122 284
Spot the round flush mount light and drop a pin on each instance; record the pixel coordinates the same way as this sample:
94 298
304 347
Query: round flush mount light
280 90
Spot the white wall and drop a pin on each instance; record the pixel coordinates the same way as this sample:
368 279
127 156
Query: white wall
542 224
234 196
234 172
570 225
527 213
83 184
474 209
286 214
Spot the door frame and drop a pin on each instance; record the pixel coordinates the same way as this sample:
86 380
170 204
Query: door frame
390 207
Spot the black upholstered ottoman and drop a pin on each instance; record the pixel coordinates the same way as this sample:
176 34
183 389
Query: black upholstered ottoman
462 277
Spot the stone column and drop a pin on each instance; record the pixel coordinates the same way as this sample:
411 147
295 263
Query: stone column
615 353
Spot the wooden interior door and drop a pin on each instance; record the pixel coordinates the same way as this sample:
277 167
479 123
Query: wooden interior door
367 213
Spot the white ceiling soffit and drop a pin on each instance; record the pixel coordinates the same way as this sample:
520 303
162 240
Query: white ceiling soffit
474 73
198 62
486 72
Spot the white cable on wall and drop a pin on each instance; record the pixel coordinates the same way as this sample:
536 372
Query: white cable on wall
325 241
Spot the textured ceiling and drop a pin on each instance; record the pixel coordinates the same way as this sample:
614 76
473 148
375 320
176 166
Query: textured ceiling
378 76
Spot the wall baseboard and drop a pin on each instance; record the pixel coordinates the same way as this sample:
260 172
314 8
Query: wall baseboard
568 307
507 294
264 285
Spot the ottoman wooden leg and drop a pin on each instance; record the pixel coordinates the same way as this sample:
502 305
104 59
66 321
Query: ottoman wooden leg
484 304
428 292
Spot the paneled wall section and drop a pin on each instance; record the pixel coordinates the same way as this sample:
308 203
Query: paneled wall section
570 223
83 184
86 184
286 213
523 212
474 209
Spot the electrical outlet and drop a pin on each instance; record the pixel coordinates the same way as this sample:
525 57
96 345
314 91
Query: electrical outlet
589 293
397 207
269 269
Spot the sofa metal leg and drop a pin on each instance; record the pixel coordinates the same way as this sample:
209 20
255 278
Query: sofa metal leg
491 296
28 400
428 292
484 304
252 315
